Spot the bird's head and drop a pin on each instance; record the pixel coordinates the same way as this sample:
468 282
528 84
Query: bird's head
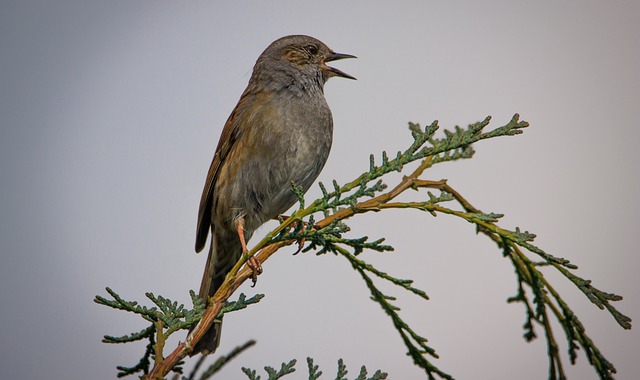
305 54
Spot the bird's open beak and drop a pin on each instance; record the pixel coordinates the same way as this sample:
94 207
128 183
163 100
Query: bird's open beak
332 70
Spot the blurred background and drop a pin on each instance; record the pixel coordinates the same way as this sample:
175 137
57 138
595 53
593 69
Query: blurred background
110 113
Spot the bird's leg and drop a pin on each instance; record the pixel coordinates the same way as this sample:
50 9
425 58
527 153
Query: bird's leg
252 262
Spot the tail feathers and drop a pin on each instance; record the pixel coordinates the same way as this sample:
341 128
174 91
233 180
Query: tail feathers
210 341
222 257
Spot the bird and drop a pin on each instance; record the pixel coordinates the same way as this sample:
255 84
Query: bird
280 133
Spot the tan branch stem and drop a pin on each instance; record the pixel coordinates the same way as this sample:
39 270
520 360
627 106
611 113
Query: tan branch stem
232 283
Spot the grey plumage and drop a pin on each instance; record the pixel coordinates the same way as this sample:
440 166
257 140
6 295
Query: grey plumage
280 132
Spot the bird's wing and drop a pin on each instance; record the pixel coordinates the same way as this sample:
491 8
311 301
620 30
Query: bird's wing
228 138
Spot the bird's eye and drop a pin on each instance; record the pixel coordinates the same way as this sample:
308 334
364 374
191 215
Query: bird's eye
313 49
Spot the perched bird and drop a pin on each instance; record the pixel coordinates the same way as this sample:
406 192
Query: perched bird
279 133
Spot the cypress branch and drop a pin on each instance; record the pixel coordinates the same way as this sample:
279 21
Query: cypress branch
321 225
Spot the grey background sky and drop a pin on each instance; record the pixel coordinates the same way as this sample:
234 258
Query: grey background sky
109 116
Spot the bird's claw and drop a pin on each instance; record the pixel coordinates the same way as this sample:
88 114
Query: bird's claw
300 246
294 225
256 267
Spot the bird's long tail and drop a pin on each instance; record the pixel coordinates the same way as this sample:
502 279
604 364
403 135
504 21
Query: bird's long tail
223 254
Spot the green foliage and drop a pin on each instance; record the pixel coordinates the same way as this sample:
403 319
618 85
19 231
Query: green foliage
321 226
285 369
166 318
367 193
314 372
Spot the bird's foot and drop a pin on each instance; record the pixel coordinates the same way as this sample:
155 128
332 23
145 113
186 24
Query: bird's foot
300 246
294 225
254 264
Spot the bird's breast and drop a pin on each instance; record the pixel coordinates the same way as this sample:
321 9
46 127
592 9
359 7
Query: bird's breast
286 140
